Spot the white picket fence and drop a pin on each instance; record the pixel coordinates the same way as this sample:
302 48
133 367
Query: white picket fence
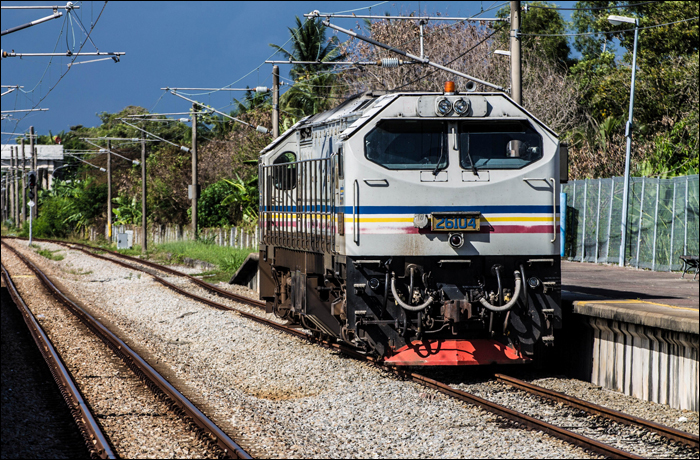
158 234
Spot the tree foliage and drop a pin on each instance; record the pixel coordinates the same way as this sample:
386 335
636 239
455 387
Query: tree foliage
585 99
665 129
308 41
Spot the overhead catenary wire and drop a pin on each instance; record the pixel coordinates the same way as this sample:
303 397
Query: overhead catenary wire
68 70
136 162
263 63
260 129
453 60
78 158
610 32
494 5
437 30
258 67
181 147
411 56
612 7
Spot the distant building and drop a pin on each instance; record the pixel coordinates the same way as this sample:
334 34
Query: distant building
49 158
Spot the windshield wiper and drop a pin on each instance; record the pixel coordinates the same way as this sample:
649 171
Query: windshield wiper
442 152
471 161
476 173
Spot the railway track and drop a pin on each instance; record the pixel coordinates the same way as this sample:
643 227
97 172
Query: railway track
139 366
519 419
688 439
95 440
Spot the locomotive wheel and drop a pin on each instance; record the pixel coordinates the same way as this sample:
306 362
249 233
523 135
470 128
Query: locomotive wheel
526 324
281 311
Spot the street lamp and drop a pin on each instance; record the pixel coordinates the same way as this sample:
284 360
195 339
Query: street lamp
617 20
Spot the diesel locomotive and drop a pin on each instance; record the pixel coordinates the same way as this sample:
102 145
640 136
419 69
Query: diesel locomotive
420 227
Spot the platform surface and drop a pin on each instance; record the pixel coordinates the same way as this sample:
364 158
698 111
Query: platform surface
655 299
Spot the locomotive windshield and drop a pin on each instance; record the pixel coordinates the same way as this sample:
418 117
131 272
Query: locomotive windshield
501 145
408 144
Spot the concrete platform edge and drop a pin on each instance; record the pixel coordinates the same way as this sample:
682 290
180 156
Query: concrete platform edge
688 323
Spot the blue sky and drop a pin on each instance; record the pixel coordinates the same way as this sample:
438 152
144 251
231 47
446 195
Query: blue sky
174 44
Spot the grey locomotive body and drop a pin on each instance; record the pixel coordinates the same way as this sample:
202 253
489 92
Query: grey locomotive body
421 227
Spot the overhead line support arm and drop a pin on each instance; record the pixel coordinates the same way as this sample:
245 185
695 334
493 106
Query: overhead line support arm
409 55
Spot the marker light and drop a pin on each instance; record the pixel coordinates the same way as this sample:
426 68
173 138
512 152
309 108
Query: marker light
443 107
461 106
449 87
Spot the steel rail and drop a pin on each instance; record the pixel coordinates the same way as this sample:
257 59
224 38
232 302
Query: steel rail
204 300
527 421
95 440
88 249
683 437
139 365
522 419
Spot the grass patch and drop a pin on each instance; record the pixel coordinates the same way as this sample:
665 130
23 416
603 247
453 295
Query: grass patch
228 259
135 251
50 254
214 277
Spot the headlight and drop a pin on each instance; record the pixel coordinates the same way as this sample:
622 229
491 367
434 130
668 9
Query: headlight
461 106
443 107
456 240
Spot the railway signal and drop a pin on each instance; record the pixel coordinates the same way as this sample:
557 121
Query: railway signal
31 184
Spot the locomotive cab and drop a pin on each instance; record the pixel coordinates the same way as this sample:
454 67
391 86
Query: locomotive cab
419 227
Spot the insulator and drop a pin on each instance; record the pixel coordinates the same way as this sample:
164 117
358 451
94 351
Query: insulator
390 62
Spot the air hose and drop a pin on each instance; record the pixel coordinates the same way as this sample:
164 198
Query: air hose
505 307
403 304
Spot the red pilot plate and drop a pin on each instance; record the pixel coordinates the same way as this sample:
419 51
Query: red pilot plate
455 353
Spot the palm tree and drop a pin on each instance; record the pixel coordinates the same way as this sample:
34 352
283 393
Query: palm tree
314 83
251 101
309 95
309 44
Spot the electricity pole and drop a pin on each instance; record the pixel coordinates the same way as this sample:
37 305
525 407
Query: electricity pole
144 222
15 186
275 101
515 61
109 191
195 185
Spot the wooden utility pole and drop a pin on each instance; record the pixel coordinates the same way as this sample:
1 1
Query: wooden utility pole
15 186
515 58
24 184
275 101
109 191
195 184
2 196
144 221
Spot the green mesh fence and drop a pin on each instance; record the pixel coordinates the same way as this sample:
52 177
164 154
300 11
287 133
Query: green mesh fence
662 221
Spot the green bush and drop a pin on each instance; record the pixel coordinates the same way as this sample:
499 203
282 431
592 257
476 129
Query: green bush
210 211
53 216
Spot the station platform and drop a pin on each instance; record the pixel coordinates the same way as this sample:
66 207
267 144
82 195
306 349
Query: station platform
634 331
655 299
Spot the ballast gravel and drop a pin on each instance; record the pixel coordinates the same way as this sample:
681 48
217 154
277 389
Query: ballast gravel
630 439
136 422
279 396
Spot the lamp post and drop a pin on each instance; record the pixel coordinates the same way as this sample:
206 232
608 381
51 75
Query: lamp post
617 20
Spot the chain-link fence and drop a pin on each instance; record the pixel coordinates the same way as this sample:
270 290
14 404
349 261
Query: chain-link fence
662 221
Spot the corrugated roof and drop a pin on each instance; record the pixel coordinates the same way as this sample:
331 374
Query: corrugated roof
44 152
